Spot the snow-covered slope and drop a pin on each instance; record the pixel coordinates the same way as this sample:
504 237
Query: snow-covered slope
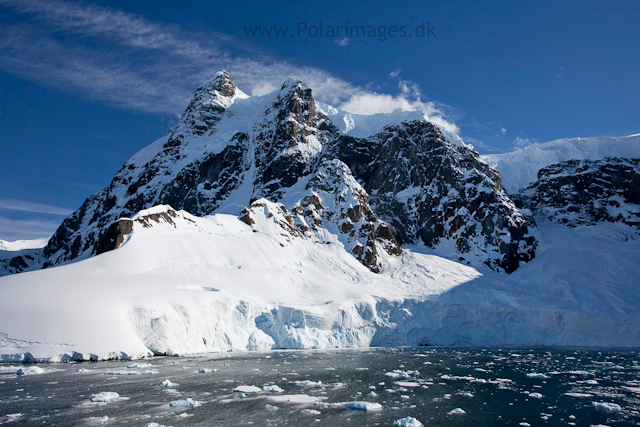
520 168
19 245
180 284
20 254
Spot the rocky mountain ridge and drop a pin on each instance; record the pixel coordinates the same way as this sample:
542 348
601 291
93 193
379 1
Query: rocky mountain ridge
585 192
406 184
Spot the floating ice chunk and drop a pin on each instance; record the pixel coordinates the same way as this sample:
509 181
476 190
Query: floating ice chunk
310 412
185 403
156 425
401 374
167 384
364 406
611 407
308 383
31 370
537 376
206 370
105 396
453 377
98 420
407 422
373 394
480 370
407 383
578 394
272 389
247 389
295 398
535 395
139 365
591 382
83 370
14 417
457 411
523 424
271 408
467 394
132 372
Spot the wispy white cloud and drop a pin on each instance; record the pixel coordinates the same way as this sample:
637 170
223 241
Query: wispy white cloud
11 229
395 73
135 63
372 103
343 42
409 99
519 142
21 205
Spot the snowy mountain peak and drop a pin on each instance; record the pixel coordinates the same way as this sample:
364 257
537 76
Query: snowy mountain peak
229 150
221 85
291 83
208 105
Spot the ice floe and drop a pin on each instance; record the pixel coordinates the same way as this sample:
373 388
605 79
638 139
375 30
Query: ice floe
185 403
247 389
364 406
31 370
407 422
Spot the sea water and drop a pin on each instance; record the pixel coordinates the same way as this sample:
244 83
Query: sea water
369 387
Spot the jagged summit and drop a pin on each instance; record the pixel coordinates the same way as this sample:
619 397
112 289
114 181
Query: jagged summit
208 105
290 82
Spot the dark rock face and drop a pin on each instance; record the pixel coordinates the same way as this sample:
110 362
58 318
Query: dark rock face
438 194
334 201
114 236
407 178
338 202
12 262
584 192
287 141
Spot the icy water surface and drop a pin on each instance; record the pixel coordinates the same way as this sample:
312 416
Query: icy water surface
438 387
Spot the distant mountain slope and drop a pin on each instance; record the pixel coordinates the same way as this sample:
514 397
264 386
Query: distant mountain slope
19 255
585 192
19 245
519 168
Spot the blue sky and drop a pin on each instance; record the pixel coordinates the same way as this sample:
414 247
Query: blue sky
84 85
